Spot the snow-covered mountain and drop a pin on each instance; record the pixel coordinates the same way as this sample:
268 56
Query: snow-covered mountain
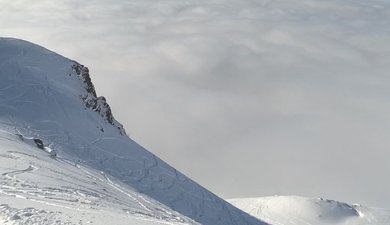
64 159
294 210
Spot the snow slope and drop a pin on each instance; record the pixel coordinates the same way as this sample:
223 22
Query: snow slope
36 188
62 147
293 210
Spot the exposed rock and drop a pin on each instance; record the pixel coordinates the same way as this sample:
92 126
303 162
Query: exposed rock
83 72
39 143
100 106
97 104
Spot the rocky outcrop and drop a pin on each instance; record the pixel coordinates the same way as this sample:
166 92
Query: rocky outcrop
90 99
100 105
39 143
83 73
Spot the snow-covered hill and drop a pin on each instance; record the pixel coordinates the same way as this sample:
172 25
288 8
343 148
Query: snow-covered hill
293 210
64 159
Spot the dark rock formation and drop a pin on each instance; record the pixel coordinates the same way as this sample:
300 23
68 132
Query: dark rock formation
83 72
39 143
97 104
100 106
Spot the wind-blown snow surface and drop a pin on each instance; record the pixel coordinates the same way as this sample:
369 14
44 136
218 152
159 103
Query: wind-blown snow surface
38 189
293 210
86 156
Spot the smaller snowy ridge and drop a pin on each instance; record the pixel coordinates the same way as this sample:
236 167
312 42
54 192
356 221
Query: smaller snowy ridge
294 210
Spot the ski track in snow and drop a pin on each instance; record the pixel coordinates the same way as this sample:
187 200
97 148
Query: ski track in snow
75 192
29 169
80 197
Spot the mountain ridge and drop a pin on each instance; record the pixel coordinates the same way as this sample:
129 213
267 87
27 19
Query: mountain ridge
43 99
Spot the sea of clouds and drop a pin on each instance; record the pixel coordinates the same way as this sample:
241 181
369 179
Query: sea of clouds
247 97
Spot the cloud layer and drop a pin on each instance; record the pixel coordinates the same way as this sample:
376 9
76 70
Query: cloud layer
249 97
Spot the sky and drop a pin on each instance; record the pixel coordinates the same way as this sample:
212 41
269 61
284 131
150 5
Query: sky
249 98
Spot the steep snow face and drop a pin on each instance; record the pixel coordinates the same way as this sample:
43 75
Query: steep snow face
293 210
37 188
50 99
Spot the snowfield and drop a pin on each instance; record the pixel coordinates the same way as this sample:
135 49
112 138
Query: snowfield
64 159
294 210
39 189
